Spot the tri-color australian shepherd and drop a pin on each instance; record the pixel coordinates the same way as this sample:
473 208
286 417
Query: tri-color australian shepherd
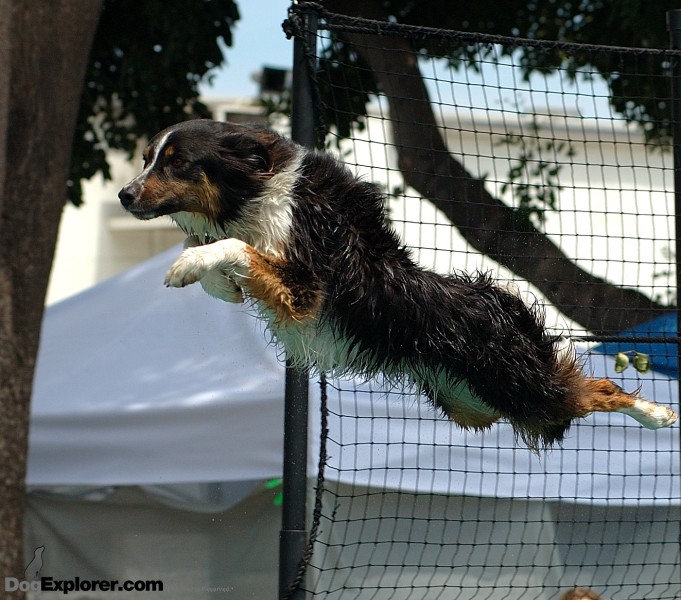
298 234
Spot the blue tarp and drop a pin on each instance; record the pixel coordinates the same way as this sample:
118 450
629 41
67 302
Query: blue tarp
663 355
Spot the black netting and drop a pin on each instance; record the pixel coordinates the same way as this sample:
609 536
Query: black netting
562 186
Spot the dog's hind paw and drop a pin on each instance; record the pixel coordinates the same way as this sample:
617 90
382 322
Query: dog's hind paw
650 415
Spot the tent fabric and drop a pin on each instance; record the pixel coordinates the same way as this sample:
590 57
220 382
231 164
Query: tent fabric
137 384
503 546
129 535
401 443
494 548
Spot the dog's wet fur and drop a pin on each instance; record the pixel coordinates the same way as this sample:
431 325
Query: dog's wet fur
297 233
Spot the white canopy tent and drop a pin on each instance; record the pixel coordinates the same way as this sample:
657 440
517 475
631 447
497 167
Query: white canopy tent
173 391
139 384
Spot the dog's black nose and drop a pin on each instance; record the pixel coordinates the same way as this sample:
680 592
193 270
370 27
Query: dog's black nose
126 196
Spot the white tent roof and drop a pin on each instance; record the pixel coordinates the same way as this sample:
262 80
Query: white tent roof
139 384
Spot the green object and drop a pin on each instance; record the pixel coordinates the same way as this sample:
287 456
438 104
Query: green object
621 362
641 362
273 484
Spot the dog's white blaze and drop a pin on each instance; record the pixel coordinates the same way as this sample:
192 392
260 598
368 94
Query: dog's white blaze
151 161
157 152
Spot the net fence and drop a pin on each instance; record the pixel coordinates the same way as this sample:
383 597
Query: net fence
560 183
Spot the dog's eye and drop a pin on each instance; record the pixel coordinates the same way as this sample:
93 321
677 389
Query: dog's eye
177 162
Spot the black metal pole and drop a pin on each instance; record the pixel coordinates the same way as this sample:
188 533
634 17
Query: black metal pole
674 28
293 536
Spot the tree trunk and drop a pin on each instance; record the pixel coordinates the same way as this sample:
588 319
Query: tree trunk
487 224
44 48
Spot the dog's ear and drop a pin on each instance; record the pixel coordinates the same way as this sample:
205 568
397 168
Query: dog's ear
246 149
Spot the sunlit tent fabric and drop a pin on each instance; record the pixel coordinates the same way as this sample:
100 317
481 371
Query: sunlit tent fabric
139 384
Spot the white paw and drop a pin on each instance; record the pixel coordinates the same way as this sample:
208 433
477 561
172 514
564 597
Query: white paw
187 269
651 415
229 256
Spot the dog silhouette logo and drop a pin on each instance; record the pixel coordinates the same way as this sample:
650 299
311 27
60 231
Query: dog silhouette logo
32 571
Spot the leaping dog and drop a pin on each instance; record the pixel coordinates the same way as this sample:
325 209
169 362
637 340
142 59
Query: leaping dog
296 233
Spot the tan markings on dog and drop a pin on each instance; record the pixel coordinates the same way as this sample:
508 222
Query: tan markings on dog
471 419
266 284
169 151
154 191
604 396
588 395
202 198
210 199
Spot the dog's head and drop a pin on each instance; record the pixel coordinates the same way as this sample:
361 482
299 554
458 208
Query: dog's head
204 167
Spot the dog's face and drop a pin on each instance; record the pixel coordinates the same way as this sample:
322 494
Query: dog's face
203 167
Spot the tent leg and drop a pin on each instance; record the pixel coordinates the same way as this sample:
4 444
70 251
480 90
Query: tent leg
294 534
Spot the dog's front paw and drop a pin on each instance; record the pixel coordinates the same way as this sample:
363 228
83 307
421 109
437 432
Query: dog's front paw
229 256
187 269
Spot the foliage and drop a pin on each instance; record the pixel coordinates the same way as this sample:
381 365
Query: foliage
147 59
144 69
639 84
533 179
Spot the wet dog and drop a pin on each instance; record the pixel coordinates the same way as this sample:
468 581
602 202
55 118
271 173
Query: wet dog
296 233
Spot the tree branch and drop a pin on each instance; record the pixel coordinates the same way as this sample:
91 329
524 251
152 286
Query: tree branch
487 224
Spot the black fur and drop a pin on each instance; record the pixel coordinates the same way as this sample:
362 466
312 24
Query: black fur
404 317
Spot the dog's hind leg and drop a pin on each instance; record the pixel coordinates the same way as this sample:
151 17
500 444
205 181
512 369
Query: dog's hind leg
460 405
605 396
468 418
289 292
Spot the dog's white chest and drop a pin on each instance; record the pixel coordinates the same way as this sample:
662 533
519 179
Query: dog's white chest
315 345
